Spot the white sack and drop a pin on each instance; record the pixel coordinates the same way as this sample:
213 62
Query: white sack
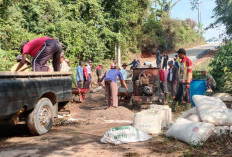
148 121
189 113
165 114
212 110
221 130
190 132
124 134
194 118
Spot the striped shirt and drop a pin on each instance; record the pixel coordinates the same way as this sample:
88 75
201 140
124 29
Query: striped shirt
185 70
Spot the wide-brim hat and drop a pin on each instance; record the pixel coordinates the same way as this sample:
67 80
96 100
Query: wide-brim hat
124 64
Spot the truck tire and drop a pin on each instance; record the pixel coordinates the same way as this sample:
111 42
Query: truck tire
40 120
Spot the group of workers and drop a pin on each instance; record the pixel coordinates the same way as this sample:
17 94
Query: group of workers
176 79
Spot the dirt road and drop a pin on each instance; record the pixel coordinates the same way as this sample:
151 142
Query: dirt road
81 134
192 53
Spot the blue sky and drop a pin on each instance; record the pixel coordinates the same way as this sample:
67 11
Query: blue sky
182 10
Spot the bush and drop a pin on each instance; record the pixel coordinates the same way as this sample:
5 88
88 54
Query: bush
8 59
221 68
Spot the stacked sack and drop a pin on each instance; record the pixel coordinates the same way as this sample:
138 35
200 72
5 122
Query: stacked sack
210 116
154 119
150 121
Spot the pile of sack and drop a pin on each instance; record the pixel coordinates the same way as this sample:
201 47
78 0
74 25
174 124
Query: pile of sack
154 119
210 117
150 121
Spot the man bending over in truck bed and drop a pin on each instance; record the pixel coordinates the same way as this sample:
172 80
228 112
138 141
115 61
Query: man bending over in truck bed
41 49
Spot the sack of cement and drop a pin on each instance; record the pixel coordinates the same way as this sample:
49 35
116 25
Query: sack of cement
190 132
189 113
148 121
194 118
222 130
224 97
124 134
212 110
165 114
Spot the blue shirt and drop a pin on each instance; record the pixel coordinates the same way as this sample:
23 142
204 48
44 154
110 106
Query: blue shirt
79 70
133 64
176 64
124 74
112 75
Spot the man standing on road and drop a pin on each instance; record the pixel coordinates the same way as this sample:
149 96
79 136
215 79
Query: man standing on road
185 77
158 59
111 85
79 75
98 71
172 79
89 71
86 76
165 62
123 71
41 49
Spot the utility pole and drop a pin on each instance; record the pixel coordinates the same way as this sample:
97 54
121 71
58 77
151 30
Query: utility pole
199 15
119 51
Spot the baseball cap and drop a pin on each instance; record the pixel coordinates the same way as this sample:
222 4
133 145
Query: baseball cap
170 62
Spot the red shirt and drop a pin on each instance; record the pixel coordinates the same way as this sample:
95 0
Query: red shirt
33 46
99 67
85 72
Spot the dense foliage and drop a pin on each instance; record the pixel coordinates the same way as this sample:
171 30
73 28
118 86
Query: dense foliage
91 29
221 68
223 13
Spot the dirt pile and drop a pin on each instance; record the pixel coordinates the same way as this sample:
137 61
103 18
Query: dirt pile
120 113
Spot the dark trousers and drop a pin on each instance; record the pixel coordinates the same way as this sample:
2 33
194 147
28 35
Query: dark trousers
182 93
79 84
158 64
51 49
165 66
172 88
87 82
98 78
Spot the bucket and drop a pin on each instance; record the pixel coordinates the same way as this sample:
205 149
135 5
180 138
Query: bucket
197 87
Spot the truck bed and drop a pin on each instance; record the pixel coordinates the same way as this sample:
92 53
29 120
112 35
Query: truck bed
23 90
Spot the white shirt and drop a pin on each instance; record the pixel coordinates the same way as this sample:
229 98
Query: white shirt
89 71
171 74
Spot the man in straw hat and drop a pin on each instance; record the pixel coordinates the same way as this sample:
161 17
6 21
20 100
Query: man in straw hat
123 71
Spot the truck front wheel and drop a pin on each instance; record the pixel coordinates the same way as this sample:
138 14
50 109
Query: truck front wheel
40 120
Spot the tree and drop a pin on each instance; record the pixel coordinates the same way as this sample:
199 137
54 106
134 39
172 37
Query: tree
223 13
191 23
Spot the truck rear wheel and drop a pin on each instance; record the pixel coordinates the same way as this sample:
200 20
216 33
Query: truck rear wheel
40 120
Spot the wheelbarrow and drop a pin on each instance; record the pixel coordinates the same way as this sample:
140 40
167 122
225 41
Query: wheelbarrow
81 92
